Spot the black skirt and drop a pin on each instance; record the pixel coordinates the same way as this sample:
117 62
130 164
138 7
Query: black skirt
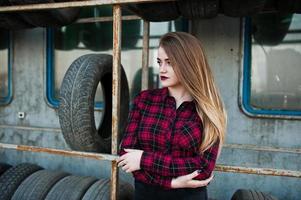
148 192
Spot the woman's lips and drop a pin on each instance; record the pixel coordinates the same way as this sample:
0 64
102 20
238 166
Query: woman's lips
163 78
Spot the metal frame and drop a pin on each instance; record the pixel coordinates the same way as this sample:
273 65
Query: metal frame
116 92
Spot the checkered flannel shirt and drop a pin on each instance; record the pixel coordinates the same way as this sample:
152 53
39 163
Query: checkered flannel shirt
169 137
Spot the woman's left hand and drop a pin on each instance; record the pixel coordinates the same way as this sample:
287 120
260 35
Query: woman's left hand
187 181
131 160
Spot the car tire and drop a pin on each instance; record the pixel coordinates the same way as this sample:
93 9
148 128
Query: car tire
198 9
238 8
156 12
49 18
243 194
76 109
70 187
100 190
13 177
37 185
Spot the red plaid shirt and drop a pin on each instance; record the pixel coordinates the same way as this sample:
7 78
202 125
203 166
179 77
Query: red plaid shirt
169 137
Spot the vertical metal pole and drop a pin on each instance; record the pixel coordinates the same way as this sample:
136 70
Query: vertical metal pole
145 55
115 95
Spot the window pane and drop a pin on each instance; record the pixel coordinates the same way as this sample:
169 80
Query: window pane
4 41
276 62
73 41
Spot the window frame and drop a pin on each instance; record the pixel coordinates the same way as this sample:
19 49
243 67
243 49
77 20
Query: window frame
245 92
8 99
50 86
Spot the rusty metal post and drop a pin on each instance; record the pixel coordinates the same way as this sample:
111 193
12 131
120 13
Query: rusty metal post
115 95
145 56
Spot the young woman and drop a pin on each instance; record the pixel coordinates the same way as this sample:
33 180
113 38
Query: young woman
175 133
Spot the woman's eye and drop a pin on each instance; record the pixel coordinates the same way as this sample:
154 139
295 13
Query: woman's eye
159 63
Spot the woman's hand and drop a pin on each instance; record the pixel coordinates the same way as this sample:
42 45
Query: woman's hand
187 181
131 160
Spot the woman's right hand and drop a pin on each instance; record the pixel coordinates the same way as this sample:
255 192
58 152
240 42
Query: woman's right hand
187 181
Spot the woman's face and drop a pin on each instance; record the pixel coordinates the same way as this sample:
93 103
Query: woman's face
167 74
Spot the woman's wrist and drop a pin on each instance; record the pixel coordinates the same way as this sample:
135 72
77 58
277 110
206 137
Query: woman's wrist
174 183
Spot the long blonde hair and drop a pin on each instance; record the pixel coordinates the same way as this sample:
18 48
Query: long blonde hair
189 62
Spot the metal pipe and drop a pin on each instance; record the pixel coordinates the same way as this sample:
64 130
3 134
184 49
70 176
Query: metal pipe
116 75
105 19
145 56
262 148
32 128
114 181
98 156
72 4
116 94
95 156
258 171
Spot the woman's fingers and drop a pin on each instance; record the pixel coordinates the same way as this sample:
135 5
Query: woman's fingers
196 184
125 167
202 183
192 175
122 163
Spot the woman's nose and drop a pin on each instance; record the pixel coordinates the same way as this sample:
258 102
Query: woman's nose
163 68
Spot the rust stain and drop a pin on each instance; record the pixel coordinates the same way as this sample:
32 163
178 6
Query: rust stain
116 75
259 171
114 180
62 152
71 4
57 152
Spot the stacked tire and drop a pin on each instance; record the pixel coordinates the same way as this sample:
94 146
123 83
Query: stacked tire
244 194
45 18
32 182
196 9
12 21
270 28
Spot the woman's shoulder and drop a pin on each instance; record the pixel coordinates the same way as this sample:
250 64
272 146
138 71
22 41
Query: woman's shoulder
152 94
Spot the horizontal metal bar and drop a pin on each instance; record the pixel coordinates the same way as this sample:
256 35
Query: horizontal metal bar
258 171
73 4
32 128
262 148
96 156
105 19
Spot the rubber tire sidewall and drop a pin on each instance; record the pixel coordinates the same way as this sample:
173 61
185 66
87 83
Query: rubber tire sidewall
48 18
76 109
155 12
238 8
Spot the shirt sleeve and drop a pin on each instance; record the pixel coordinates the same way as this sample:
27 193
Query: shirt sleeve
167 165
129 139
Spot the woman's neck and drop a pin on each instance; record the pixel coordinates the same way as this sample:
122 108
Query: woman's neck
180 94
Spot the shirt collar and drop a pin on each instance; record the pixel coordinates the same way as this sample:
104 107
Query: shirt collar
165 94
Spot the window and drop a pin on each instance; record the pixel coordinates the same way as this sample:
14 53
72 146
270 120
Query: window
5 69
272 65
66 44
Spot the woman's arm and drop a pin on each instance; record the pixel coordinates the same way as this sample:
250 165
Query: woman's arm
129 139
187 181
169 166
